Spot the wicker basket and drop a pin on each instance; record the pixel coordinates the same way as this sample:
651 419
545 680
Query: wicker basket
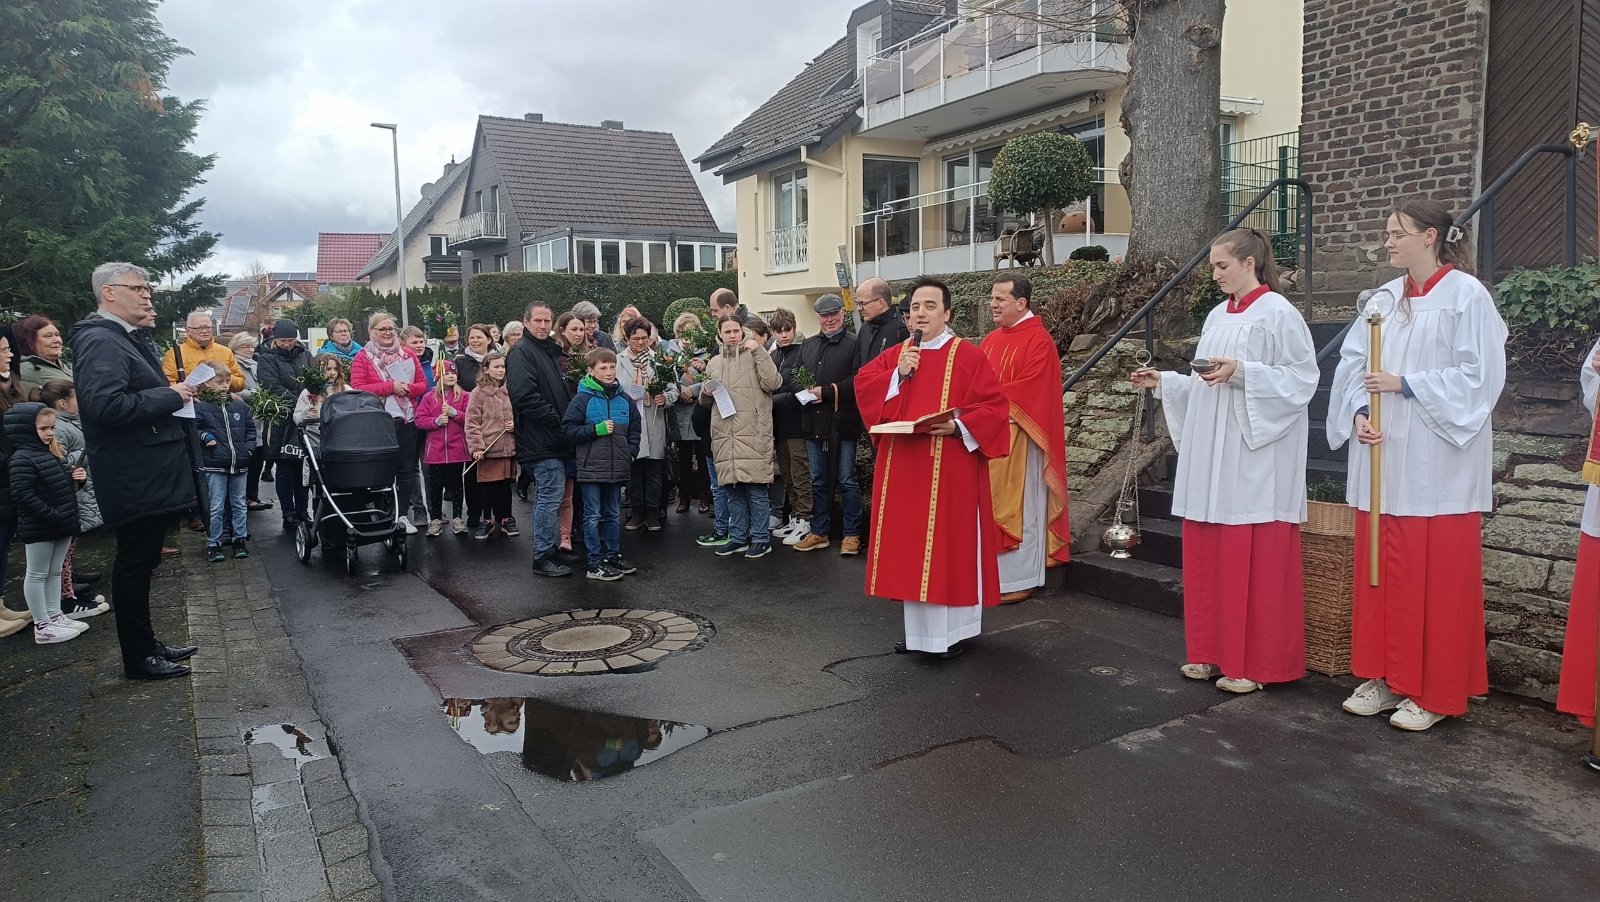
1327 549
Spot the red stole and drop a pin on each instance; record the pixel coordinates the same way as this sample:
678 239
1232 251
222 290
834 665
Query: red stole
934 538
1029 368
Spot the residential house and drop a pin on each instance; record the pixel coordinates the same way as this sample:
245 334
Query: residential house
279 294
429 258
341 255
560 197
238 302
879 151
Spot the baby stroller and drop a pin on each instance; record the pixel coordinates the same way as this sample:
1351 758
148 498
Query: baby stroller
351 473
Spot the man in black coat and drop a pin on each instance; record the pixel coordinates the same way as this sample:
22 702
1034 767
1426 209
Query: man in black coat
881 325
537 383
278 364
137 451
832 427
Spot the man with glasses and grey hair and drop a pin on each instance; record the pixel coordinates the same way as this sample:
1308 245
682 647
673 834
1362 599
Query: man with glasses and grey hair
137 450
200 345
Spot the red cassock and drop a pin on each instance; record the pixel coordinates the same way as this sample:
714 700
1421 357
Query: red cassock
934 538
1025 358
1576 694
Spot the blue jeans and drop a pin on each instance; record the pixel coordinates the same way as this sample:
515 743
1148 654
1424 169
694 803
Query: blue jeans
748 509
549 477
602 520
224 491
719 500
822 487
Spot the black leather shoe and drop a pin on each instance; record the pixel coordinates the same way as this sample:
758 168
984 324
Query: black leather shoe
567 558
155 667
548 567
178 653
951 653
900 648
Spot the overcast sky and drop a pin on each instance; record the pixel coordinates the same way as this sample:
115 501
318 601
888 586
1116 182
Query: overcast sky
291 86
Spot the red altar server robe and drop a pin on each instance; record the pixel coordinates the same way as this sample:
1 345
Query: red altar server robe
1029 368
934 538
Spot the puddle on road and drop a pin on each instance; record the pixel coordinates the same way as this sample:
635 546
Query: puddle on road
565 743
292 742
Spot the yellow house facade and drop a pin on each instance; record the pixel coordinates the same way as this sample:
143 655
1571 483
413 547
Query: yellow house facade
874 160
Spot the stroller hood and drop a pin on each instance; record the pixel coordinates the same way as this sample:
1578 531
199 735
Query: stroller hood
356 427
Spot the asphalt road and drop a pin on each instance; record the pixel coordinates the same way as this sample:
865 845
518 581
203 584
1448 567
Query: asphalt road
1061 758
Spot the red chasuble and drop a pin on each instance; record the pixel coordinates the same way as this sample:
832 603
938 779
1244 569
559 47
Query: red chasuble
934 538
1029 367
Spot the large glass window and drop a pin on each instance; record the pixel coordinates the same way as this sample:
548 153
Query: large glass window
686 257
611 258
657 257
969 217
438 245
1092 134
558 256
587 257
633 257
790 206
887 186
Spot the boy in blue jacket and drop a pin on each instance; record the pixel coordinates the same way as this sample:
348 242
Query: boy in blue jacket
227 439
603 424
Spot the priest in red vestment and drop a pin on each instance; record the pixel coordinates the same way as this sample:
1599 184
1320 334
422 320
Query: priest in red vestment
1030 483
934 544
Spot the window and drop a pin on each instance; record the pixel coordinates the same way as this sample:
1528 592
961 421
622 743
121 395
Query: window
494 200
438 245
657 259
703 256
633 257
558 256
789 200
502 262
884 182
477 266
477 202
611 258
1092 134
708 257
587 256
686 257
729 254
969 217
530 258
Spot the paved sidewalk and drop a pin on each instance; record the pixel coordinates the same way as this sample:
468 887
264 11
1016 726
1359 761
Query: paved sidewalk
278 818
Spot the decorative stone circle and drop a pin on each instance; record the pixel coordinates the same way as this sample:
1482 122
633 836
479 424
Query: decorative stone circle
590 641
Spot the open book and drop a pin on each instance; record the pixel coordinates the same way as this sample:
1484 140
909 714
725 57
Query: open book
909 427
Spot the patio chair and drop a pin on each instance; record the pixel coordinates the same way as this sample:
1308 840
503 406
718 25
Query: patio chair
1022 247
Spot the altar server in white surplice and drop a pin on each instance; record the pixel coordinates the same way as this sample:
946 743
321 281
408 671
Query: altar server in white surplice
1418 636
1240 485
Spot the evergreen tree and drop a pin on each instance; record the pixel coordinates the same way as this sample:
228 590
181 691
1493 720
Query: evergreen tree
94 159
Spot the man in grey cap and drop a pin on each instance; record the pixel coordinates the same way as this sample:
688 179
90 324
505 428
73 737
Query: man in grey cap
832 426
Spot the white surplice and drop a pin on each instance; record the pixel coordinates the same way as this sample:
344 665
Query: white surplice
1590 381
1242 444
1438 445
1023 567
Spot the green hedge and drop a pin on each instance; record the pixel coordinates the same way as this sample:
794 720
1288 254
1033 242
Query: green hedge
969 291
502 296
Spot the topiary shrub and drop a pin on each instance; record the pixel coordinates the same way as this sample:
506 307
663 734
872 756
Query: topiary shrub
697 306
1090 252
1042 171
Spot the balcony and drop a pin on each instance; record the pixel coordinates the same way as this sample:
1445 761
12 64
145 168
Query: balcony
993 67
955 230
478 230
441 268
789 250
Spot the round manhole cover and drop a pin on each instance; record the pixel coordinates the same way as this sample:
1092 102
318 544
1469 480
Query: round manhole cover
590 641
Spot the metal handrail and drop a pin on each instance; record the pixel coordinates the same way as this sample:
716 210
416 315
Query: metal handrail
1484 203
1147 312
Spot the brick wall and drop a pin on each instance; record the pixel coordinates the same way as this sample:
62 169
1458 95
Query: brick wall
1392 106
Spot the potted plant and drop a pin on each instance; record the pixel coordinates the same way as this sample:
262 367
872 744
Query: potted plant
1327 549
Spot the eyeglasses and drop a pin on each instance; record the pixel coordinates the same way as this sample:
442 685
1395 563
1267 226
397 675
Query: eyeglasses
383 328
138 289
1396 236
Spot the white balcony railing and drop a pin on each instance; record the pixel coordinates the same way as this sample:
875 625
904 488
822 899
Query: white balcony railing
789 249
484 225
963 56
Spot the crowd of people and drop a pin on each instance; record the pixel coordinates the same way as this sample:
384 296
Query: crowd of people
758 428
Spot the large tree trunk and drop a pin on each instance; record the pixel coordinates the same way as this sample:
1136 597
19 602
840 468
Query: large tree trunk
1170 112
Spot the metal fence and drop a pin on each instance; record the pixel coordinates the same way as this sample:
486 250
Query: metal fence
1250 166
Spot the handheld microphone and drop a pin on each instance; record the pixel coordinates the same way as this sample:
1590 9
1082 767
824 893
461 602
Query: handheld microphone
916 337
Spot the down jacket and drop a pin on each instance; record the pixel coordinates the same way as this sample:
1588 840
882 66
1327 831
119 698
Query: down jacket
602 458
741 444
69 432
136 446
41 486
227 436
445 444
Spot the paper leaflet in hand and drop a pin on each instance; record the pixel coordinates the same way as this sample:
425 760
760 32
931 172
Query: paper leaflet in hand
805 396
634 390
197 377
724 399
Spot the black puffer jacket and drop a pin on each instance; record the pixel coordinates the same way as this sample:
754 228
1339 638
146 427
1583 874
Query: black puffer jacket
279 369
41 486
135 444
540 394
877 334
832 360
786 410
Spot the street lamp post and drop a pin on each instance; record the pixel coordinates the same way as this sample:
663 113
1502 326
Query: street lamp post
399 221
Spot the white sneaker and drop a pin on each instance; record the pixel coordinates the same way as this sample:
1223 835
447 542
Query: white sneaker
69 623
797 533
1200 671
435 527
1412 716
51 632
406 522
80 609
458 526
1373 697
779 532
1238 687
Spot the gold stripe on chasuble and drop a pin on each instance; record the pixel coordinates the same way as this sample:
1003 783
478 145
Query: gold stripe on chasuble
938 458
881 489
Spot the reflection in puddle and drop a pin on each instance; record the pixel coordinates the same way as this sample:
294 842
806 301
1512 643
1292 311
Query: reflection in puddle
291 741
566 743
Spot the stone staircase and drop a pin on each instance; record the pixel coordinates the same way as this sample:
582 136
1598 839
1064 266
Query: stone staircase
1152 578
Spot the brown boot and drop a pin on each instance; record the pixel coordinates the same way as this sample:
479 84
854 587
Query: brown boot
635 521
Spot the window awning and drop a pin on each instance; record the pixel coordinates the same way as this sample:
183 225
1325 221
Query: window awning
1057 115
1241 106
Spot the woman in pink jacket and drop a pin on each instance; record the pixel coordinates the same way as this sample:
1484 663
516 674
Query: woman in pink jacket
388 369
442 415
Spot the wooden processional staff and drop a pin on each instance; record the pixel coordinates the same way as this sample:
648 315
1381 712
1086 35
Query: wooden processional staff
1375 420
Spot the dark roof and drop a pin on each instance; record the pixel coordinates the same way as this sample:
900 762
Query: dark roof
558 173
817 102
431 196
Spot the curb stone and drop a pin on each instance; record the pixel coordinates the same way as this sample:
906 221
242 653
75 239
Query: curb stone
274 828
